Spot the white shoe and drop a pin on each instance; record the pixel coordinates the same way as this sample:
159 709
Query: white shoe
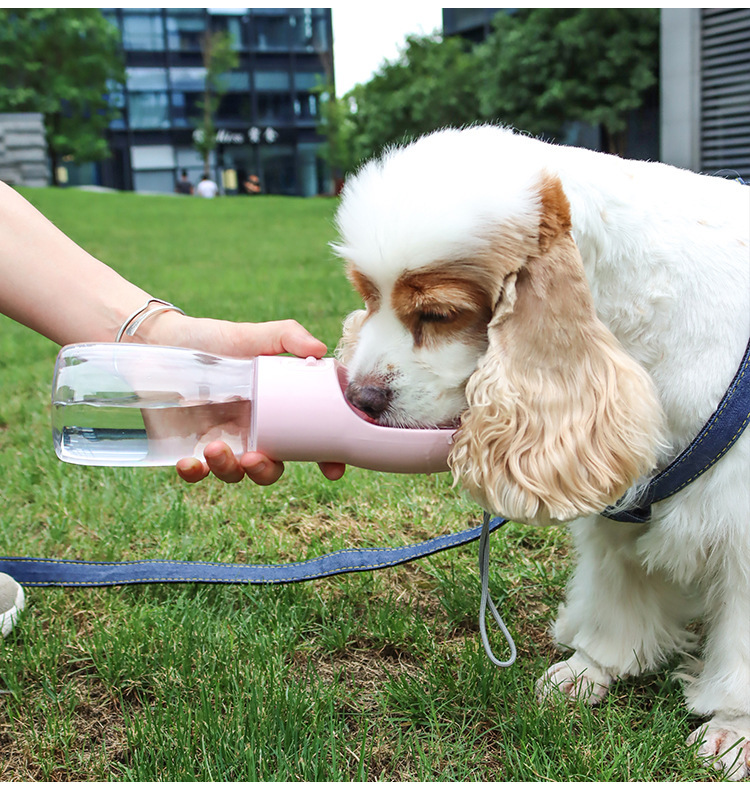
11 602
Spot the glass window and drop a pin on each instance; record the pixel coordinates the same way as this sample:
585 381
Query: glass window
309 30
272 81
234 107
278 169
116 99
185 108
320 40
111 16
116 94
311 172
187 78
179 119
184 31
301 25
271 32
142 32
306 81
231 25
188 158
236 81
144 157
142 79
306 107
273 108
154 181
148 110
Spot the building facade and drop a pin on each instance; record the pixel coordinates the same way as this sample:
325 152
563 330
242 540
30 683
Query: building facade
472 24
23 150
705 89
266 121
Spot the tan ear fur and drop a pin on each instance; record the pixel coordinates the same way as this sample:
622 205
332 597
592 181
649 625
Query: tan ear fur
561 421
349 335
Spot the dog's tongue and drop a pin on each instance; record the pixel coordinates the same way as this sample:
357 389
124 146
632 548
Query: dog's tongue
361 413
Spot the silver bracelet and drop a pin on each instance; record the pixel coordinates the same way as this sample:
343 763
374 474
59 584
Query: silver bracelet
132 323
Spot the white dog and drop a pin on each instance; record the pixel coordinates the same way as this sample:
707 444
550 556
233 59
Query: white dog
581 316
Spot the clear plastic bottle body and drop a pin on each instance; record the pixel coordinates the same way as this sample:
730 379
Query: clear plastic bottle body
141 405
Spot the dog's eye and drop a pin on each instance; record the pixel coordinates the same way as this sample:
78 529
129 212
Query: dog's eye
434 317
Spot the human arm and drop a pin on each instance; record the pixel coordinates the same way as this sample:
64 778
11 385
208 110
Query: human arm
50 284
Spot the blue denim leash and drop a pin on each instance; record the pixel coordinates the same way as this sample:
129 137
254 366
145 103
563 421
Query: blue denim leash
31 571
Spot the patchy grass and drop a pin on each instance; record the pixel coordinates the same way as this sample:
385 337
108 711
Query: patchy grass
376 676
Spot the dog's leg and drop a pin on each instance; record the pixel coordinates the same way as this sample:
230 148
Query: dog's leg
619 618
722 689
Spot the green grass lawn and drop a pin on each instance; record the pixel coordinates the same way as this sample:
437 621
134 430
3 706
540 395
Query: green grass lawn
377 676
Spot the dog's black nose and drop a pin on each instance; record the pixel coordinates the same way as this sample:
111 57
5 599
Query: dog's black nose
370 399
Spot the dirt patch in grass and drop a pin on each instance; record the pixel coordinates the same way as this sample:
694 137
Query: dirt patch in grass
360 670
85 740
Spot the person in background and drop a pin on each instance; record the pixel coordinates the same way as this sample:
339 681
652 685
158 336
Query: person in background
54 287
207 188
184 186
252 185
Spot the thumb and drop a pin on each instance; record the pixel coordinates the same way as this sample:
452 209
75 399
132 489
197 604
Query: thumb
289 336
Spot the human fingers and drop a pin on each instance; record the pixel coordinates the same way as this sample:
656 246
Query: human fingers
255 465
192 470
332 471
274 338
222 462
260 468
296 339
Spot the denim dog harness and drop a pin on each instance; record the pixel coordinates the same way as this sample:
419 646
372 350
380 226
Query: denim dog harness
717 437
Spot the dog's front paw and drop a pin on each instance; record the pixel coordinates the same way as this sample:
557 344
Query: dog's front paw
577 678
725 744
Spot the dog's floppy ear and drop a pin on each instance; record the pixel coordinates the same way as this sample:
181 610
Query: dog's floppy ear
561 421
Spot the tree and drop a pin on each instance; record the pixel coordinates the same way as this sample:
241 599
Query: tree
548 66
336 124
432 84
219 57
61 62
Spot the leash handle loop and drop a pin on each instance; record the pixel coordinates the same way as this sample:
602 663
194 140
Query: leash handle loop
486 600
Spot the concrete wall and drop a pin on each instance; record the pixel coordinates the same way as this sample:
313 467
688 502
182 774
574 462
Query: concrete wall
23 150
680 87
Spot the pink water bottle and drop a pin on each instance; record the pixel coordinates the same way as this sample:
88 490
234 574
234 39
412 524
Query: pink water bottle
144 405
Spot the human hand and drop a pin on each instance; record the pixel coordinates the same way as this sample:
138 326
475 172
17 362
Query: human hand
238 340
222 462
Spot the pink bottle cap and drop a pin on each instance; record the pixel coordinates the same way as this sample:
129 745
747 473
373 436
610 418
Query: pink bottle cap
300 413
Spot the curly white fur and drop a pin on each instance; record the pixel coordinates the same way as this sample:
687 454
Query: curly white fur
584 315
